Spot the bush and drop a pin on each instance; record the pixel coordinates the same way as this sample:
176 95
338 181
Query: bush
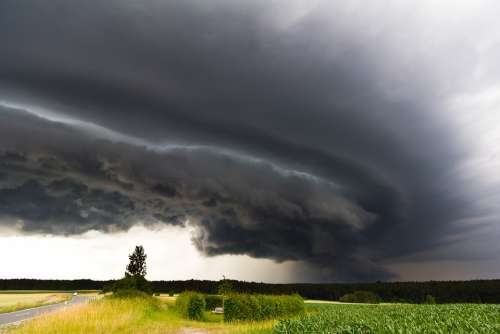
429 299
108 287
212 301
129 293
191 305
132 283
171 293
360 297
261 307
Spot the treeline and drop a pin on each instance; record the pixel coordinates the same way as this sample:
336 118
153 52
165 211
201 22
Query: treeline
477 291
52 284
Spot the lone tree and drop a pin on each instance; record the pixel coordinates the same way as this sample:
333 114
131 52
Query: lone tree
134 279
137 264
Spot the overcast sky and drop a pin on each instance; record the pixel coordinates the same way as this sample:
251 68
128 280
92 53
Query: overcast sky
264 140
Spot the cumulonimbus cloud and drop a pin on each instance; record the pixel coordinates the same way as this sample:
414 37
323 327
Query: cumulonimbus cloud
277 134
58 179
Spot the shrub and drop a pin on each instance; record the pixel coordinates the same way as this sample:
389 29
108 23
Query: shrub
191 305
171 293
108 287
129 293
157 294
360 297
429 299
261 307
132 283
212 301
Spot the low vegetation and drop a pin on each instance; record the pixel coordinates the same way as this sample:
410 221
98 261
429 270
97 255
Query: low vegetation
131 316
191 305
261 307
396 318
110 315
155 315
360 297
138 283
213 301
14 301
239 307
476 291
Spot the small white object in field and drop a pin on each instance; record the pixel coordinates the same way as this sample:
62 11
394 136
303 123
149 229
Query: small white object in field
75 293
218 310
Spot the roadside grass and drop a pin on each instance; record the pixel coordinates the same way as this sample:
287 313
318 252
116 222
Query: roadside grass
11 301
167 298
133 315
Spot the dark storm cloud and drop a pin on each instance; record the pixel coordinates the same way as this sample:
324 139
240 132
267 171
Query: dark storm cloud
266 95
237 205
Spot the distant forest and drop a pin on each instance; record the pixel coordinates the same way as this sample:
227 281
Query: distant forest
477 291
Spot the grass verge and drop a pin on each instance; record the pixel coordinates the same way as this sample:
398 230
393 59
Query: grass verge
133 315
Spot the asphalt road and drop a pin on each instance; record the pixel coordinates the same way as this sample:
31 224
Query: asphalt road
18 316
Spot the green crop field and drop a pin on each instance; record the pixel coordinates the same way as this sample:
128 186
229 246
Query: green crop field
396 318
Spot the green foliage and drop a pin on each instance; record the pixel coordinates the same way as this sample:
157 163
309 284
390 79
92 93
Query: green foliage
388 319
260 307
132 283
213 301
429 299
182 301
360 297
225 287
171 293
191 305
129 293
137 264
477 291
108 287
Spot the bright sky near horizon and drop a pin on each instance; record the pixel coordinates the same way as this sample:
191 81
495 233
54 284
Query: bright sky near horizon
95 255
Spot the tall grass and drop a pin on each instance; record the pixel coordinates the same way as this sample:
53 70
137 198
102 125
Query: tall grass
105 316
131 315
